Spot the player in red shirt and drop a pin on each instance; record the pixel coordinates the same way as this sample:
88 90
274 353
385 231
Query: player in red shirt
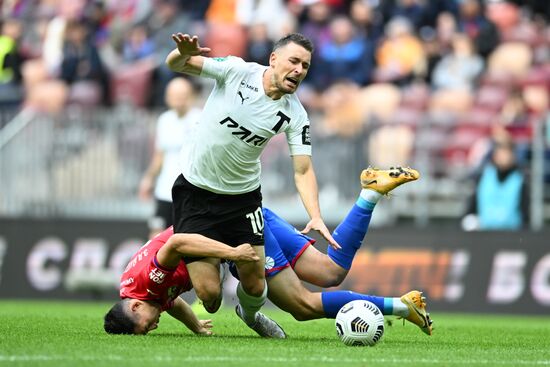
156 276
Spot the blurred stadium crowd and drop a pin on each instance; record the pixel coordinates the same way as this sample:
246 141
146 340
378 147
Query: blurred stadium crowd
404 81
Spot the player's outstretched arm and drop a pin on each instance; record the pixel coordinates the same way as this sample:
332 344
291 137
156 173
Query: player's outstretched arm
187 56
306 184
196 245
181 311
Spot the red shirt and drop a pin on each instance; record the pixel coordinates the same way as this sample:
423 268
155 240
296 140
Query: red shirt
145 279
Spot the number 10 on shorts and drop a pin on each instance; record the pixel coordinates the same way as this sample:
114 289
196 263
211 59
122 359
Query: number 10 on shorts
256 221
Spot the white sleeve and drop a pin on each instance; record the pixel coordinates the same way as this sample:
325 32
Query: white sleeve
219 68
299 141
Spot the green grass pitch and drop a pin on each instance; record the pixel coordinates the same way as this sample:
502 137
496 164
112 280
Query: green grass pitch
71 334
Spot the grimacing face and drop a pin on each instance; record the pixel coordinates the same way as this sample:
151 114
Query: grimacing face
146 317
290 65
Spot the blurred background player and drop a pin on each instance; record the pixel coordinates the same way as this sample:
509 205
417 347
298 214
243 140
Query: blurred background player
174 129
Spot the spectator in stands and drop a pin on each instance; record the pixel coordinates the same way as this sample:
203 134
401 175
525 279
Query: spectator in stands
11 60
137 45
475 24
514 111
97 18
413 10
316 24
445 30
259 45
162 23
367 20
500 200
54 38
432 52
174 128
316 27
81 66
400 56
460 68
345 56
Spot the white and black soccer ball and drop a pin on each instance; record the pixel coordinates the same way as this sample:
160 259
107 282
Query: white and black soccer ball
360 323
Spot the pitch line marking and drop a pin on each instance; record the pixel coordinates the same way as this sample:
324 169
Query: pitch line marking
42 358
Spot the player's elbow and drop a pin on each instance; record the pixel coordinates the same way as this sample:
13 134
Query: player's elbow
180 242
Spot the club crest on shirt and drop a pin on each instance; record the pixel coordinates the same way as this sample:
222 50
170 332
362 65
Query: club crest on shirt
173 291
269 263
306 139
157 276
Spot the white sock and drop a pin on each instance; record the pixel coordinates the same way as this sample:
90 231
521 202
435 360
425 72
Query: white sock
399 308
370 195
250 305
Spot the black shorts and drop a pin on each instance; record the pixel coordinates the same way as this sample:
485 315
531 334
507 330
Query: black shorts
231 219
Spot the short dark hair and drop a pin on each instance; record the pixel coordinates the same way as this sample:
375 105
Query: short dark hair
118 321
296 38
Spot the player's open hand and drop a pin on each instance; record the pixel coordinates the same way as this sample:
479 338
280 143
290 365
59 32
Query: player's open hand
318 225
189 46
205 327
245 253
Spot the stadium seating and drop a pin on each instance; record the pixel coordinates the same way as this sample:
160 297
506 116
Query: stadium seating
132 83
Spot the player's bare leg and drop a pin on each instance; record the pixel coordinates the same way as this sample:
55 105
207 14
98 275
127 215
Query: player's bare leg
205 277
350 233
288 293
311 260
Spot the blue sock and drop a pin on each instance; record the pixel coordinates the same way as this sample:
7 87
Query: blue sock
333 301
350 233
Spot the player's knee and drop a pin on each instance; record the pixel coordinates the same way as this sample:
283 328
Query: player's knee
255 289
208 292
333 277
335 280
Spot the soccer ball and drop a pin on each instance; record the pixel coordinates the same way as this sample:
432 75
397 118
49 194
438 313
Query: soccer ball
360 323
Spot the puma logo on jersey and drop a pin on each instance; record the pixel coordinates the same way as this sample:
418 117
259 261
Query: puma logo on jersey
242 98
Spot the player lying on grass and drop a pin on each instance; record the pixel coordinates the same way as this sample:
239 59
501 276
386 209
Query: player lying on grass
289 258
156 276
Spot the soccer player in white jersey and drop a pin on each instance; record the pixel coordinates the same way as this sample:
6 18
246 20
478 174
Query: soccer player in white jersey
218 194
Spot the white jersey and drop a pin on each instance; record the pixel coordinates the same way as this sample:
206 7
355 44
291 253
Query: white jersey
172 133
235 125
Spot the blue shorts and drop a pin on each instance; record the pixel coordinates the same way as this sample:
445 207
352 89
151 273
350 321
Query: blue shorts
283 244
